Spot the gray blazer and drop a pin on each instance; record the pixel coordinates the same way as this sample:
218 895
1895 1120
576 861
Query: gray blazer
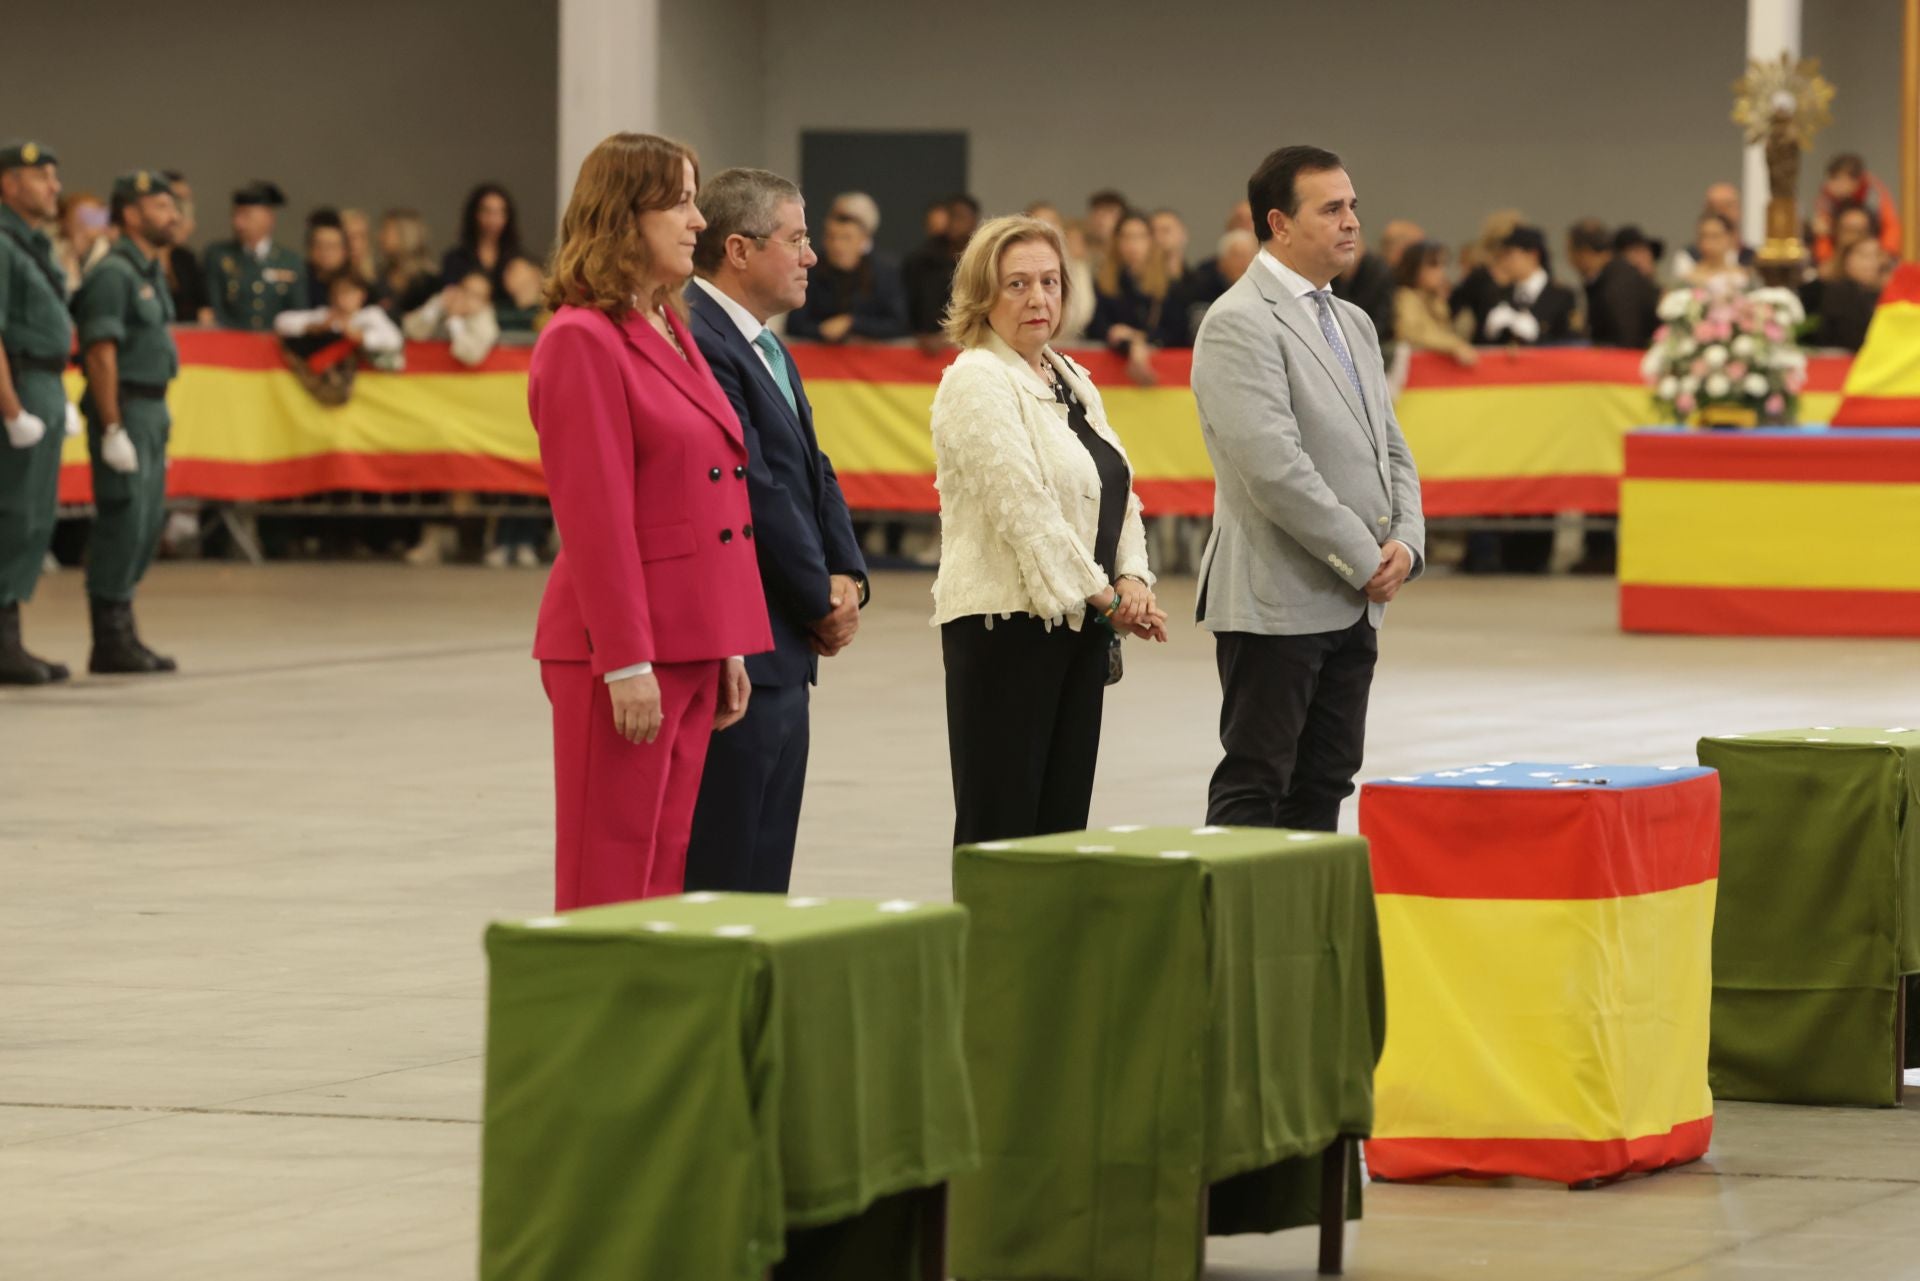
1307 484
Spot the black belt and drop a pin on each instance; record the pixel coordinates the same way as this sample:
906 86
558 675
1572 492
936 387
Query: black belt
45 364
143 391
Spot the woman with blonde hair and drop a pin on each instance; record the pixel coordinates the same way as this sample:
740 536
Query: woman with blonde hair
1131 314
1043 555
409 273
655 597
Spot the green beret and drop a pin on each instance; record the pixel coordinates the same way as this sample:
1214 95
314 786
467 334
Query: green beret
129 187
18 155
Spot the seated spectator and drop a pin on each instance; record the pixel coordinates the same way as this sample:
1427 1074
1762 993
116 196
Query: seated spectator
462 315
1200 288
1131 315
1621 302
326 255
408 274
1080 294
1714 260
1483 264
81 236
1170 238
1421 318
1639 252
1104 210
1849 183
1531 309
1723 198
1368 284
520 311
1240 217
860 207
489 240
185 281
348 313
1851 224
850 294
1841 307
359 242
1048 212
927 272
1396 237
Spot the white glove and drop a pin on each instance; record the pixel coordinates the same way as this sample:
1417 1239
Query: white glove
74 425
117 452
25 430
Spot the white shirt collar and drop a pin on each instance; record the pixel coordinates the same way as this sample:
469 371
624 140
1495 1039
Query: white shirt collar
1296 285
743 320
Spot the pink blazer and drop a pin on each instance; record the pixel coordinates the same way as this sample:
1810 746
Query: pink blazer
646 470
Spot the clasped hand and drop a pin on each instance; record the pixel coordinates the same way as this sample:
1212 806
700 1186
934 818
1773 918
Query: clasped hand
1138 614
834 631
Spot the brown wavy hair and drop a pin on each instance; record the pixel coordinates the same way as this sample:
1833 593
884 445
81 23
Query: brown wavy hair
601 257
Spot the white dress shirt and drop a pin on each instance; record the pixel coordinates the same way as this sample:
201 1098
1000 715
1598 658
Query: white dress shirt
1302 289
1517 318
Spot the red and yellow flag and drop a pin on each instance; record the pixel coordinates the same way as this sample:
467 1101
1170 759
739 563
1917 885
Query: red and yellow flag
1883 387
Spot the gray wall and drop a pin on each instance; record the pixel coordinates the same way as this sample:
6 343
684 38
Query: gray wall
384 102
1443 111
713 67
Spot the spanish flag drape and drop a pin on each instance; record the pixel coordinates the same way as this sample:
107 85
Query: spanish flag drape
1771 533
1527 432
1547 936
1883 387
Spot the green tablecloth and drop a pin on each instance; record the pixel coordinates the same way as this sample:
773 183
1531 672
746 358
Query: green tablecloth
1151 1011
1819 911
673 1084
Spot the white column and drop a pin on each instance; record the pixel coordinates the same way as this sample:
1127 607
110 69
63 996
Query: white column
1773 28
609 77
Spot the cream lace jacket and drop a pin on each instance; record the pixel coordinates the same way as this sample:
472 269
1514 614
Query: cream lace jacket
1019 494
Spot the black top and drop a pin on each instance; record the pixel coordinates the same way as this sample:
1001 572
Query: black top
1841 311
928 276
1620 306
398 303
1187 302
1162 320
1115 481
871 293
187 283
1370 287
461 262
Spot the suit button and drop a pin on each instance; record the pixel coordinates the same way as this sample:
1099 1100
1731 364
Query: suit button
726 535
1383 520
747 531
739 473
714 475
1333 560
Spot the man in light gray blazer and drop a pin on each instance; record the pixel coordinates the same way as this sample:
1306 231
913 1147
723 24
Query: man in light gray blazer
1316 505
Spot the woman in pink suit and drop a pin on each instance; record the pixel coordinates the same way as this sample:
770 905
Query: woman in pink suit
656 595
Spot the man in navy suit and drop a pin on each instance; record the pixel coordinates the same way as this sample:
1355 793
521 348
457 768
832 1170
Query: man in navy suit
751 265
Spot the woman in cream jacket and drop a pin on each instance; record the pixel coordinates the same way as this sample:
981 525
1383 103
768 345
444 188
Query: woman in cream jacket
1043 556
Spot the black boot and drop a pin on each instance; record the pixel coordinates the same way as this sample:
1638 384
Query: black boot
17 667
115 650
161 663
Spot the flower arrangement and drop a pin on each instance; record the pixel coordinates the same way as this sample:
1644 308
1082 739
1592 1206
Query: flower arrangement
1719 350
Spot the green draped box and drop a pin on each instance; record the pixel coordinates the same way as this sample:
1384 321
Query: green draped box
1162 1024
1819 912
673 1085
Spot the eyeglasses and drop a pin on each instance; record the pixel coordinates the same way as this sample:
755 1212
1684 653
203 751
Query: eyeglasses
800 245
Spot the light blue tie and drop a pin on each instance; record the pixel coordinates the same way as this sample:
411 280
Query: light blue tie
777 362
1323 299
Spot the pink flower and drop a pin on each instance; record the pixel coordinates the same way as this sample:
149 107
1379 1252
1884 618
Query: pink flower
1660 334
1719 315
1685 404
1775 333
1776 404
1699 369
1737 370
1796 379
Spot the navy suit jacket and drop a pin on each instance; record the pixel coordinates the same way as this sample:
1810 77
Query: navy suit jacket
801 529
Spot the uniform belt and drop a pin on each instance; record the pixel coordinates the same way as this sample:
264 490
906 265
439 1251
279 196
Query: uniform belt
45 364
142 391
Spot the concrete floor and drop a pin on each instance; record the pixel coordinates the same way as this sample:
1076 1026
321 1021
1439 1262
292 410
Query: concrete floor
241 987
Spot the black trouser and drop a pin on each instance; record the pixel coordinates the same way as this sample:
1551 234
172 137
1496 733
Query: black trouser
1293 724
1023 724
749 807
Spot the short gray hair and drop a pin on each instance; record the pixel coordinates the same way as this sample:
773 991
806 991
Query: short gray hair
737 202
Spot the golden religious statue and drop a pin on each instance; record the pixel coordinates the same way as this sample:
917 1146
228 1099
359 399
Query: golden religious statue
1781 105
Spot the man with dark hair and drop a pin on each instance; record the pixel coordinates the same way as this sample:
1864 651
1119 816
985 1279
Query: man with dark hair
1105 208
853 293
250 279
37 334
123 310
1640 252
751 264
1317 521
1848 182
928 271
1532 309
1620 301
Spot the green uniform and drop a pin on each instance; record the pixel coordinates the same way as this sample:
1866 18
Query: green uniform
248 292
125 301
38 335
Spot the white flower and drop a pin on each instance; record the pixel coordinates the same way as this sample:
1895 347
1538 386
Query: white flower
1689 386
1669 387
1716 356
1653 362
1786 358
1717 385
1743 346
1755 385
1784 301
1675 304
1687 347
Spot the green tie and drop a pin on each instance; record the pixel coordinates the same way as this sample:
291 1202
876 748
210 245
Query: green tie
777 362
